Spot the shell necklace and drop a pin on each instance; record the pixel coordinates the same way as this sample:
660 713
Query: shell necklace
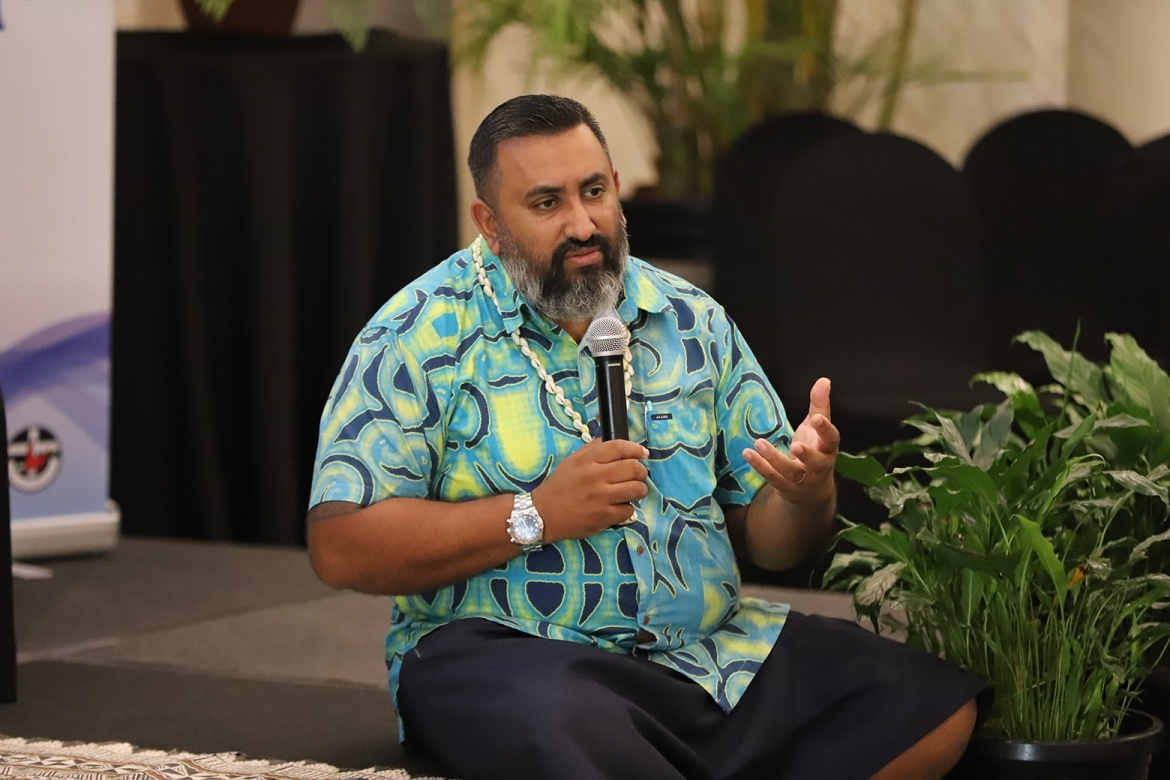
549 383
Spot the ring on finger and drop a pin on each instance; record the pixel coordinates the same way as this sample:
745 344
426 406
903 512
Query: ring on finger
800 479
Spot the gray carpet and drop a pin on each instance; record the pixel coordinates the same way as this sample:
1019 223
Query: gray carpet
207 647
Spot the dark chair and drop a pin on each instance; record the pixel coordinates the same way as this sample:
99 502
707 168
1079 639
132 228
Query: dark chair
745 182
866 270
1136 287
7 618
1039 180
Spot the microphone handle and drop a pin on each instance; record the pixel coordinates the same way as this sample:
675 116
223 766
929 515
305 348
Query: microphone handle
611 397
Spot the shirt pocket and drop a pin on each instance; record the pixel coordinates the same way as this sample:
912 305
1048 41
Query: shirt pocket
682 440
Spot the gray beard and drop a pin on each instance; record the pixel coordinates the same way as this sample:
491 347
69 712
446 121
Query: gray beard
593 291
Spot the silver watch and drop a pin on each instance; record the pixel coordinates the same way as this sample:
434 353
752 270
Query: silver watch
525 527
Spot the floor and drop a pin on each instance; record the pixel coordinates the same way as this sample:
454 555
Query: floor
209 647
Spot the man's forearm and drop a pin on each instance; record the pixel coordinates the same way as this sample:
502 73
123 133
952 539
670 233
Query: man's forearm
403 546
779 534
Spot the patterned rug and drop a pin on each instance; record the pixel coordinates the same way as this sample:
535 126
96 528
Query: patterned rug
31 760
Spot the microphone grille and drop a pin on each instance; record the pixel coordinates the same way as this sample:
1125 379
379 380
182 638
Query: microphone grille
607 335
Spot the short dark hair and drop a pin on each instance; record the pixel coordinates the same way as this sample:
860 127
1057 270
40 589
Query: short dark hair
519 117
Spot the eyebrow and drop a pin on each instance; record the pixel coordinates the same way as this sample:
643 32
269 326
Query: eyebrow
550 189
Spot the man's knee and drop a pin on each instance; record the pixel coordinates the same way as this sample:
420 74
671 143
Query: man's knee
937 753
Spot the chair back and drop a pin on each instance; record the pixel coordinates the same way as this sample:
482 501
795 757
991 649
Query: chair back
1040 180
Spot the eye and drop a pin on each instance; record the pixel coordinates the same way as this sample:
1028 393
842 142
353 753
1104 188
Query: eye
596 191
545 204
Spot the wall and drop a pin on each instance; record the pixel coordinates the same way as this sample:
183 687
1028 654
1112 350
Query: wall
1106 58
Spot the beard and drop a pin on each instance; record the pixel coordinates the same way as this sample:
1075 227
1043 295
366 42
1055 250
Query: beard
548 289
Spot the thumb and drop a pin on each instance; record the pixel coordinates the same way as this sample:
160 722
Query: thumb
818 399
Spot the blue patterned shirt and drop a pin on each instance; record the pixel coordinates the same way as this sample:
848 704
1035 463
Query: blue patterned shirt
436 401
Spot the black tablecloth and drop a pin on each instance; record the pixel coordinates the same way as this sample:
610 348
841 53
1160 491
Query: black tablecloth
270 194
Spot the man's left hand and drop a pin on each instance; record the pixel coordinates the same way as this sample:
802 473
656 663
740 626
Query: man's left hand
804 475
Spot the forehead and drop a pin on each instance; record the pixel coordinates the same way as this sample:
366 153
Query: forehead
561 160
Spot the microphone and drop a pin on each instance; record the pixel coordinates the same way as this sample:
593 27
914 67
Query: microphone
607 339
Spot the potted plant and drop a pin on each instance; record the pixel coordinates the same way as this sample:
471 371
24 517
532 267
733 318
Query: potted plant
1025 543
699 72
275 17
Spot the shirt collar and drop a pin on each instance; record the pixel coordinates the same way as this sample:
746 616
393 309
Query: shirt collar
642 290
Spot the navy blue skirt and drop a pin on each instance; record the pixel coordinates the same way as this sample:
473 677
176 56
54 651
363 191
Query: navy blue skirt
831 701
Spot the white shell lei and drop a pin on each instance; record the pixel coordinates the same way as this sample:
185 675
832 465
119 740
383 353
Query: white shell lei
549 383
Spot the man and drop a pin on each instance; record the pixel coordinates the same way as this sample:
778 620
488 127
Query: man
568 607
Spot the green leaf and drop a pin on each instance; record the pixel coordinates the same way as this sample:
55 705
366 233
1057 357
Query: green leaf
1140 484
891 544
954 440
860 468
1071 369
895 495
352 20
1140 379
1139 550
216 9
950 559
994 436
963 477
1019 391
874 588
1035 540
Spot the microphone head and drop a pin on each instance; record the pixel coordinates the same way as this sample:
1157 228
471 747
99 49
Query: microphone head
607 335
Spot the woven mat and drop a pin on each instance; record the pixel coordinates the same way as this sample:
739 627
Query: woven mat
45 760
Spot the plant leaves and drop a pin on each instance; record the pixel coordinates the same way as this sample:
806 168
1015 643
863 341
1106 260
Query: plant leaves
963 477
1139 550
994 436
891 544
954 440
1140 484
1140 379
1035 540
874 588
1018 390
1071 369
860 468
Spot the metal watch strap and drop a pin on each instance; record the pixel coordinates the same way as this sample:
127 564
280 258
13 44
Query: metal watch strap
522 504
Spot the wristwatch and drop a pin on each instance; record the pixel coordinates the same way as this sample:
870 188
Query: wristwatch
525 527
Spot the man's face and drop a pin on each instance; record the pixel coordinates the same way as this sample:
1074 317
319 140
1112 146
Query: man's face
559 228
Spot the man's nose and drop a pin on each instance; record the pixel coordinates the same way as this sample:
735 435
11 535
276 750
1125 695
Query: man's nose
578 222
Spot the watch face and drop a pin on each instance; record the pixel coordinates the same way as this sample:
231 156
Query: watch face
526 528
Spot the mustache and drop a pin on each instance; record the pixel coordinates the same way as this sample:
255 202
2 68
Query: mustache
595 241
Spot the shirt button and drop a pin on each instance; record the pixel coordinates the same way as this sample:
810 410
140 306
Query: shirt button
640 550
645 619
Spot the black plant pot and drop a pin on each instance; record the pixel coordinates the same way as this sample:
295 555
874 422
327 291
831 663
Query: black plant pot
1126 757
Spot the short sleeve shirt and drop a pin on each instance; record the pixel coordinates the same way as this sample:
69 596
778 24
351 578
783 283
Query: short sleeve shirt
437 401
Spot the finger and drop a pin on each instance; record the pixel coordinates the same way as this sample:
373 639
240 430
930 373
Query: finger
619 514
813 459
828 437
625 471
771 462
627 492
618 449
818 398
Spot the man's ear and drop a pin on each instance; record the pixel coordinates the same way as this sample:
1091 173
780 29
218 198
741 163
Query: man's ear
617 184
485 220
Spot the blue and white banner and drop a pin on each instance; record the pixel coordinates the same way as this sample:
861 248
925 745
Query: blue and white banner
56 248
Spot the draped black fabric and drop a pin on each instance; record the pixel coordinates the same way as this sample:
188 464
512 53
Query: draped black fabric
270 194
7 615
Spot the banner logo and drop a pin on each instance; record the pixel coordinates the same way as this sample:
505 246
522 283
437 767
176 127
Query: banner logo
34 459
